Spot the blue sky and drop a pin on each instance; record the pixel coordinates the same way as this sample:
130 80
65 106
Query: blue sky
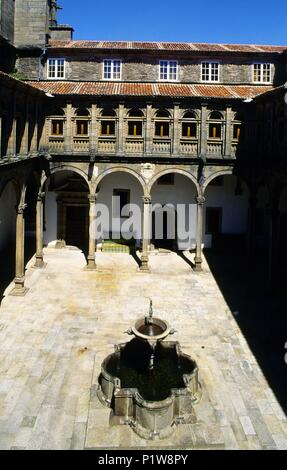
252 21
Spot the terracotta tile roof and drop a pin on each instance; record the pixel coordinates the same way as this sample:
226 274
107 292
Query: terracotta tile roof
173 90
167 46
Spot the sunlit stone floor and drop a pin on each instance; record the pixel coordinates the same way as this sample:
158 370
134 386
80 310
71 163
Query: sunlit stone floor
53 340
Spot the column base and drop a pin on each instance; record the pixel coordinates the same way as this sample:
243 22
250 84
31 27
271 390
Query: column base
91 264
198 265
19 290
144 267
39 263
60 244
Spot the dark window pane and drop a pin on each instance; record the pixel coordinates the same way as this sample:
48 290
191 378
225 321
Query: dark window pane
57 127
82 127
135 128
108 128
189 129
162 129
166 179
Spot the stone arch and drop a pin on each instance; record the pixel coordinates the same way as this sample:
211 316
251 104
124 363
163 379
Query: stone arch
228 172
189 114
72 168
215 115
17 187
120 169
174 170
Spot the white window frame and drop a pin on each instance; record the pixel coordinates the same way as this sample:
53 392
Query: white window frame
168 79
261 72
112 69
210 62
56 77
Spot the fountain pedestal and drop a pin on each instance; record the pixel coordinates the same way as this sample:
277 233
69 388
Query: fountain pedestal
150 384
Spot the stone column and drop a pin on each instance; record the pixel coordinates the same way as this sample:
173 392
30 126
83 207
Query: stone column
39 232
120 149
200 200
149 130
34 141
91 265
175 146
19 280
146 229
93 130
69 129
228 132
203 130
11 148
25 136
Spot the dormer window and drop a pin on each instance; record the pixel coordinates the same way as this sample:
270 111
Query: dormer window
210 71
112 69
168 70
262 73
56 68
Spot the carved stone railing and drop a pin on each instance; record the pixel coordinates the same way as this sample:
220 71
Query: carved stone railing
56 144
134 145
107 144
81 144
188 147
162 146
234 147
214 148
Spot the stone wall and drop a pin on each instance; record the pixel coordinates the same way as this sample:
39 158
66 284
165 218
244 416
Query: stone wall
31 22
7 19
85 66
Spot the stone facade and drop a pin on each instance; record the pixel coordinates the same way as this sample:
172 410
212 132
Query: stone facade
234 128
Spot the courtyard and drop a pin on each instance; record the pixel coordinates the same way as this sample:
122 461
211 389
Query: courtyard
53 340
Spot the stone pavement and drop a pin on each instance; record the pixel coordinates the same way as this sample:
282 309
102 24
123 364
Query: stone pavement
53 340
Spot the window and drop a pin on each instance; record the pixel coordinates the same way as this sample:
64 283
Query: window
121 202
189 130
135 128
168 70
57 127
112 69
213 220
82 127
214 131
167 179
56 68
262 73
162 129
210 71
108 128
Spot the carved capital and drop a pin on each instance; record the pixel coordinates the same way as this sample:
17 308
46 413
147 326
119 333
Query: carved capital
200 200
92 198
20 209
146 199
40 197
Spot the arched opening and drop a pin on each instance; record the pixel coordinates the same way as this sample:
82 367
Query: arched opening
8 203
119 216
174 214
225 218
66 210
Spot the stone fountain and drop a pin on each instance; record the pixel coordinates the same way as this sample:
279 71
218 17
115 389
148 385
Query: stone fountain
148 382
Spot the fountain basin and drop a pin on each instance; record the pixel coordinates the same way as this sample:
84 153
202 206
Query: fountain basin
151 402
153 330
